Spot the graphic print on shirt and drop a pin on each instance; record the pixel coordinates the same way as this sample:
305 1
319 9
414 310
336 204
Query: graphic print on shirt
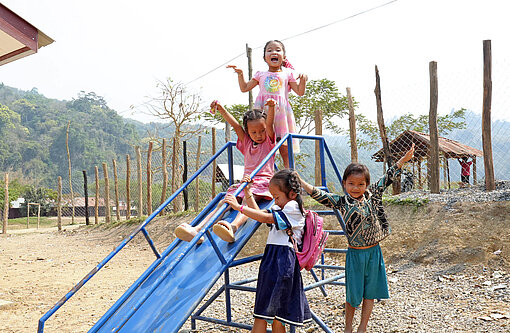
273 83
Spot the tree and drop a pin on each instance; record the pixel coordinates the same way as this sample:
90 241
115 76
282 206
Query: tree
320 94
419 123
182 110
44 196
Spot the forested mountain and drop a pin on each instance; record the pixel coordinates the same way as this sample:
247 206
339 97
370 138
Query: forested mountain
33 134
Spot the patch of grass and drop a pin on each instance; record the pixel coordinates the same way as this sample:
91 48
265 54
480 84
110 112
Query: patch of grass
415 202
21 222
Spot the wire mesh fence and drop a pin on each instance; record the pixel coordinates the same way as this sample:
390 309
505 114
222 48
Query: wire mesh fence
460 152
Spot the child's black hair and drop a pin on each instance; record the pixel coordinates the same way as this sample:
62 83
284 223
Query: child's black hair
357 168
288 180
254 114
276 41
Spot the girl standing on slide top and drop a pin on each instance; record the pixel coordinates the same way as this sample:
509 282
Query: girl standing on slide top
255 139
275 83
365 226
280 297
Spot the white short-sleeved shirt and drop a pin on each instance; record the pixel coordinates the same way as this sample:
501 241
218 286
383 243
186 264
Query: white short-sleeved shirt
296 220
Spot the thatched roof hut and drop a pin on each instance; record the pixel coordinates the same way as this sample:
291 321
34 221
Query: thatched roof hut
448 148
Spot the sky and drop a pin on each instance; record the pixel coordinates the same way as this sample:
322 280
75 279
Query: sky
121 49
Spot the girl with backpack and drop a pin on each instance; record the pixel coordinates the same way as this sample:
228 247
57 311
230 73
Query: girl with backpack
365 226
280 297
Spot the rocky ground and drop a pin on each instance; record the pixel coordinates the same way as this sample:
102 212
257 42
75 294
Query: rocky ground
448 266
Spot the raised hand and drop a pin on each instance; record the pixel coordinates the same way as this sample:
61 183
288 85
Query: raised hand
270 102
237 70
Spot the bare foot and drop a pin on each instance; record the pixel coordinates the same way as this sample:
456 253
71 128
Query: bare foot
187 233
225 231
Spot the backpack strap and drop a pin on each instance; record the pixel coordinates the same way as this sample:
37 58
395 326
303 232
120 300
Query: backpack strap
281 222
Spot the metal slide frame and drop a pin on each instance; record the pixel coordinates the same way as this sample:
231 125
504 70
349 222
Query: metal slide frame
205 231
319 282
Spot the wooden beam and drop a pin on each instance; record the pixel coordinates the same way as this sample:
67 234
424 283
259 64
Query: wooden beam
490 183
433 158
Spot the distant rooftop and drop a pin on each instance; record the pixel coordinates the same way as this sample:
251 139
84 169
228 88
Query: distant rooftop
18 38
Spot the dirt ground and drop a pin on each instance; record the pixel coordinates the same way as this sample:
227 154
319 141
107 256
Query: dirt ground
39 268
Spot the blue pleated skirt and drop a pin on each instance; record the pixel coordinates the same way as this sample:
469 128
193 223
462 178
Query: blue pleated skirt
280 293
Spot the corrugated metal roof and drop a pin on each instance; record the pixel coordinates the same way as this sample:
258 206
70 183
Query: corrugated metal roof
448 147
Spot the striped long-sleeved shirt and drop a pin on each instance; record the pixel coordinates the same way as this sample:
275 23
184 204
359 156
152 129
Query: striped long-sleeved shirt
365 220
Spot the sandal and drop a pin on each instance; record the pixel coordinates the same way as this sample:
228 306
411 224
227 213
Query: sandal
225 231
186 233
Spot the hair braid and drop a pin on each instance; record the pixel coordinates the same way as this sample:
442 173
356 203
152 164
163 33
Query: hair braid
288 180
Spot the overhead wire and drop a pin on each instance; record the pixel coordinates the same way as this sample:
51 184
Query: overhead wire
297 35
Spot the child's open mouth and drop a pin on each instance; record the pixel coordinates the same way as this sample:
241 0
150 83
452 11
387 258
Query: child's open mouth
274 59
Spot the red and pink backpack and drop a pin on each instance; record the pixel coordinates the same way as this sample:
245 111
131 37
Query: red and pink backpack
314 240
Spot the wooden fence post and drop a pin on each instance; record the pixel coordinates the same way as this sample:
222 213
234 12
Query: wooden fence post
433 158
106 192
213 180
382 130
250 71
149 179
352 128
318 131
475 180
59 204
140 184
96 204
185 174
69 164
490 183
86 193
128 190
165 174
197 184
6 205
116 184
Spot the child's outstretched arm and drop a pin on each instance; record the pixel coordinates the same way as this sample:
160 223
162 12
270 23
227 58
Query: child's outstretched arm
271 103
407 157
254 213
299 88
245 86
215 105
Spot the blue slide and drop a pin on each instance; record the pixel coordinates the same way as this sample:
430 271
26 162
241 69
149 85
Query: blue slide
168 307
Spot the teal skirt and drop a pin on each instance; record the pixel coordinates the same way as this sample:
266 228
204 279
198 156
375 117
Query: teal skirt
365 275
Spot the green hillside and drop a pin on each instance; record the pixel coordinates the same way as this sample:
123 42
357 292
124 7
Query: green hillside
33 134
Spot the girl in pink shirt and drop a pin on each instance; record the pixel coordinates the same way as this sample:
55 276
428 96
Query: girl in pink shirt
255 139
276 83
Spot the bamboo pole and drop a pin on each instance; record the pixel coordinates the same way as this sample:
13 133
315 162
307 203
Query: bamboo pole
96 203
433 159
352 128
38 215
490 183
86 193
382 130
318 131
6 205
165 174
197 182
70 178
149 179
128 193
185 174
139 176
59 204
107 193
116 184
174 171
213 180
475 180
250 71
